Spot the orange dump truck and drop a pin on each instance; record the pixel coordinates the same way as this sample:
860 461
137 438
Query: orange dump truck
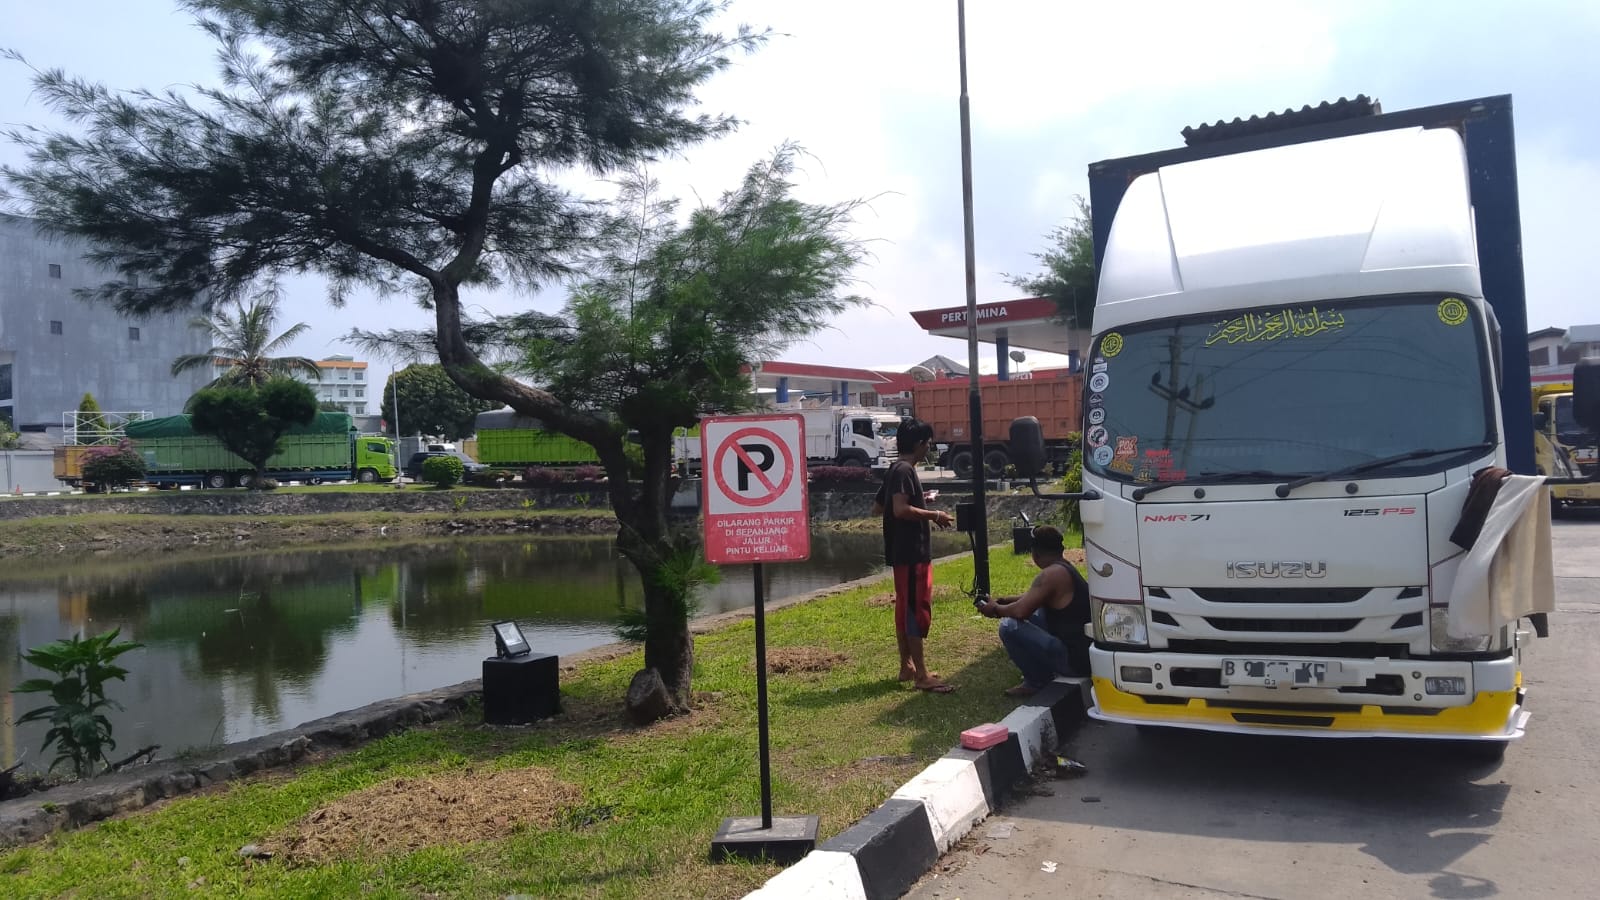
1056 398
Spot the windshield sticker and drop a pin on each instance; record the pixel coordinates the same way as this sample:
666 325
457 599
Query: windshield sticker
1111 345
1128 447
1097 415
1102 455
1097 436
1251 327
1161 460
1096 399
1099 382
1452 311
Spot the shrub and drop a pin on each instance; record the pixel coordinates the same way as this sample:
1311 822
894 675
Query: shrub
78 727
537 476
1072 483
588 473
442 471
841 474
635 456
116 466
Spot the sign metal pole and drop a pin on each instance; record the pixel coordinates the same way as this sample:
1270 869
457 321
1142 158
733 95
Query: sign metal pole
761 697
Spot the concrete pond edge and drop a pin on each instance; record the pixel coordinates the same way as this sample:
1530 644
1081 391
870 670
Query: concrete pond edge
36 816
885 853
73 805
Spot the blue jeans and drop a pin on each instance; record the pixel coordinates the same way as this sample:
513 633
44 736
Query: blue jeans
1039 654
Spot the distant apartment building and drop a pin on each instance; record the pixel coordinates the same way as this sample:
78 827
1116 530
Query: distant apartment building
343 382
54 347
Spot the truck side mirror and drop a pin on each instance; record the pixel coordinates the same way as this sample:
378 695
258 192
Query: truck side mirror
1027 446
1586 393
1541 422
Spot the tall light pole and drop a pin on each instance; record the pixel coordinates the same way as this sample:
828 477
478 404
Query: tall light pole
394 393
980 516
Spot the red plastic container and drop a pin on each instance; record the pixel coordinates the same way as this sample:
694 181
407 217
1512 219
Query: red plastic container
982 737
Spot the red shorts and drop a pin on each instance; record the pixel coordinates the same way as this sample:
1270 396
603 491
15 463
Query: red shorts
913 599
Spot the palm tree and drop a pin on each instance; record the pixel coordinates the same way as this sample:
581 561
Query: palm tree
242 341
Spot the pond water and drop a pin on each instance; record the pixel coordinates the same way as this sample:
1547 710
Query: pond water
240 646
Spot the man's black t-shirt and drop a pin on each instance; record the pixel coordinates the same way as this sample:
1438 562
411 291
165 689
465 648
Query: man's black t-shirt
1067 624
904 542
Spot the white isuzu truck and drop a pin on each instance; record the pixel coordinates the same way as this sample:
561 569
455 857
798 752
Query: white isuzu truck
1301 346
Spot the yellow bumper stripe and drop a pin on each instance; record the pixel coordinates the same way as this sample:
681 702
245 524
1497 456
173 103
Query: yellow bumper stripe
1489 715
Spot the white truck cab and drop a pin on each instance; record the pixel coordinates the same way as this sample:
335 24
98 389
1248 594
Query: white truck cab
1293 379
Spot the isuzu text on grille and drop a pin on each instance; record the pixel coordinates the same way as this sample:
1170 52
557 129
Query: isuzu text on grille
1277 569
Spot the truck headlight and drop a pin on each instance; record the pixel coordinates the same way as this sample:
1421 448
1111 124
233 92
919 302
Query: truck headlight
1123 623
1438 621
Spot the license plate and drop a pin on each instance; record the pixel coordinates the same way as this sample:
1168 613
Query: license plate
1276 673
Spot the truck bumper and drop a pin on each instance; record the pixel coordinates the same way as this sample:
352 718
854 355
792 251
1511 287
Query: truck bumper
1490 709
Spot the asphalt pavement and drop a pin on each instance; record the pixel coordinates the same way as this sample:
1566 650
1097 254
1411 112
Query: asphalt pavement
1204 815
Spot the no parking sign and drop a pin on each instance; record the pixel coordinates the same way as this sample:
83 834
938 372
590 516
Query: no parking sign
754 491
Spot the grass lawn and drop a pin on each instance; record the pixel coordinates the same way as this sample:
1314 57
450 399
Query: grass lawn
629 812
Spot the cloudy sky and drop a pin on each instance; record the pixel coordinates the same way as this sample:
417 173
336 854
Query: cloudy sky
869 88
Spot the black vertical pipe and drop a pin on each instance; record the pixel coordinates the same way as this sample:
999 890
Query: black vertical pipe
761 697
980 513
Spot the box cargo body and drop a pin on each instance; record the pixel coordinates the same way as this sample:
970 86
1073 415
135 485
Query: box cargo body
1057 402
508 438
309 452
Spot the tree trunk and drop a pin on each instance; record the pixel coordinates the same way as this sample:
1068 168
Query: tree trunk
643 536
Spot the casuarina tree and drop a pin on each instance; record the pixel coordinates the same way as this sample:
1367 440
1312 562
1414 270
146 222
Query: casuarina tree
1068 277
397 145
662 330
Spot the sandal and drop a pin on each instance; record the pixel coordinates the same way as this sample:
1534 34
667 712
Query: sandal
937 687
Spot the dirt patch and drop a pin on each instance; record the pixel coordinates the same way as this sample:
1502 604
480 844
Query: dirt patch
407 814
941 592
781 660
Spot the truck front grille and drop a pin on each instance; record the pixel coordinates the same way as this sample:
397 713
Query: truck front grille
1352 650
1301 626
1280 595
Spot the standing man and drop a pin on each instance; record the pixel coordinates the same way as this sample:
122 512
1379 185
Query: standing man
908 549
1042 629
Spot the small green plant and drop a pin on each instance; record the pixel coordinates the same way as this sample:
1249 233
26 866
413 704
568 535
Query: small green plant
459 502
581 498
528 503
442 471
78 727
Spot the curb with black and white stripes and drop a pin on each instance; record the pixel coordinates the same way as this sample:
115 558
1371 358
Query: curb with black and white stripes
883 855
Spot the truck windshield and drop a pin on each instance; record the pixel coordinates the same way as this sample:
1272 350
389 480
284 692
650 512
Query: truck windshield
1288 391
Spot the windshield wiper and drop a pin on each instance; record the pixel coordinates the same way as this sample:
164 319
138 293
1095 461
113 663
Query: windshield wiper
1371 464
1207 478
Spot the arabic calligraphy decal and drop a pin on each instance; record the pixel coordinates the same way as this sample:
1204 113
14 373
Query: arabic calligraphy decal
1285 323
1111 345
1452 311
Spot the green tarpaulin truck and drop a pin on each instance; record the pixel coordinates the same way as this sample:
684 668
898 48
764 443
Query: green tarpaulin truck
327 449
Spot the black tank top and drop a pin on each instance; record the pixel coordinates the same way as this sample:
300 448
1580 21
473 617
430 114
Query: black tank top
1067 624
